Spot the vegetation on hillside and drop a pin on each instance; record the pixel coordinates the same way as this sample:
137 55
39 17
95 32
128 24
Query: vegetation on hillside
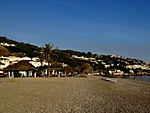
65 56
4 51
24 48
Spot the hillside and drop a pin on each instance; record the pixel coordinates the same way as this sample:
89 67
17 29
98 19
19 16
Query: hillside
4 51
20 48
101 63
24 49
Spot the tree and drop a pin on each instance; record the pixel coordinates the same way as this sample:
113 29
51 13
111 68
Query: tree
86 68
41 56
89 54
68 70
48 49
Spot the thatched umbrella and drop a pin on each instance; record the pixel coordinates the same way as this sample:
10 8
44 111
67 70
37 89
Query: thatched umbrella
21 66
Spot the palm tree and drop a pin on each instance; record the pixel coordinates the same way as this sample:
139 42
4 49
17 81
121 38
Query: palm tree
41 56
48 49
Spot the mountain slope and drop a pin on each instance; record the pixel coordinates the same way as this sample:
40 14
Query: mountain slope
20 47
4 51
102 63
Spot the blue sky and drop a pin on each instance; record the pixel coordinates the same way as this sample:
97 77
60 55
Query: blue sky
119 27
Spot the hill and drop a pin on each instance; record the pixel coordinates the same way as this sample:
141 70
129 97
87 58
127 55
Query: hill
101 63
24 49
20 48
4 51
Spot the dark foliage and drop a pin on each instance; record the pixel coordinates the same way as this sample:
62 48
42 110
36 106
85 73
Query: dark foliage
65 56
28 49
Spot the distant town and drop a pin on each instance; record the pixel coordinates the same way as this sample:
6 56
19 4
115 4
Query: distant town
26 60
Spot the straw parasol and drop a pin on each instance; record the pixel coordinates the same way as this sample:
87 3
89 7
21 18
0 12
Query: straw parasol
21 66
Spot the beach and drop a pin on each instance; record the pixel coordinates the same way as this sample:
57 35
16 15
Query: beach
73 95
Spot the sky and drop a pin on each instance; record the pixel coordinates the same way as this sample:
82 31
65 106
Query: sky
120 27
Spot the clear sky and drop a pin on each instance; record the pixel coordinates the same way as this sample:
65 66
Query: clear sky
120 27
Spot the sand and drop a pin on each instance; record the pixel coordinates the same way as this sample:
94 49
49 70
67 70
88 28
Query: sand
73 95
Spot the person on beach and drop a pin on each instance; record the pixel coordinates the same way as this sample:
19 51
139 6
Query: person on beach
134 77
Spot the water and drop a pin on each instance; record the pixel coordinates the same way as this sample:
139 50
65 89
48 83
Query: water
143 77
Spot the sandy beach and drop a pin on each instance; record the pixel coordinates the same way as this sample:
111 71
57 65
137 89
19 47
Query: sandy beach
73 95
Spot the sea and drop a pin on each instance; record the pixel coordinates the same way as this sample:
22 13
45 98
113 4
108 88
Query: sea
143 77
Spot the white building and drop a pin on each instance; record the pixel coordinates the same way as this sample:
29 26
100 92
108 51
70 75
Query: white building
116 72
107 65
6 44
137 66
4 62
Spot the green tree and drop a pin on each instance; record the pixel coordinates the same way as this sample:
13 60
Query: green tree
86 68
41 56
